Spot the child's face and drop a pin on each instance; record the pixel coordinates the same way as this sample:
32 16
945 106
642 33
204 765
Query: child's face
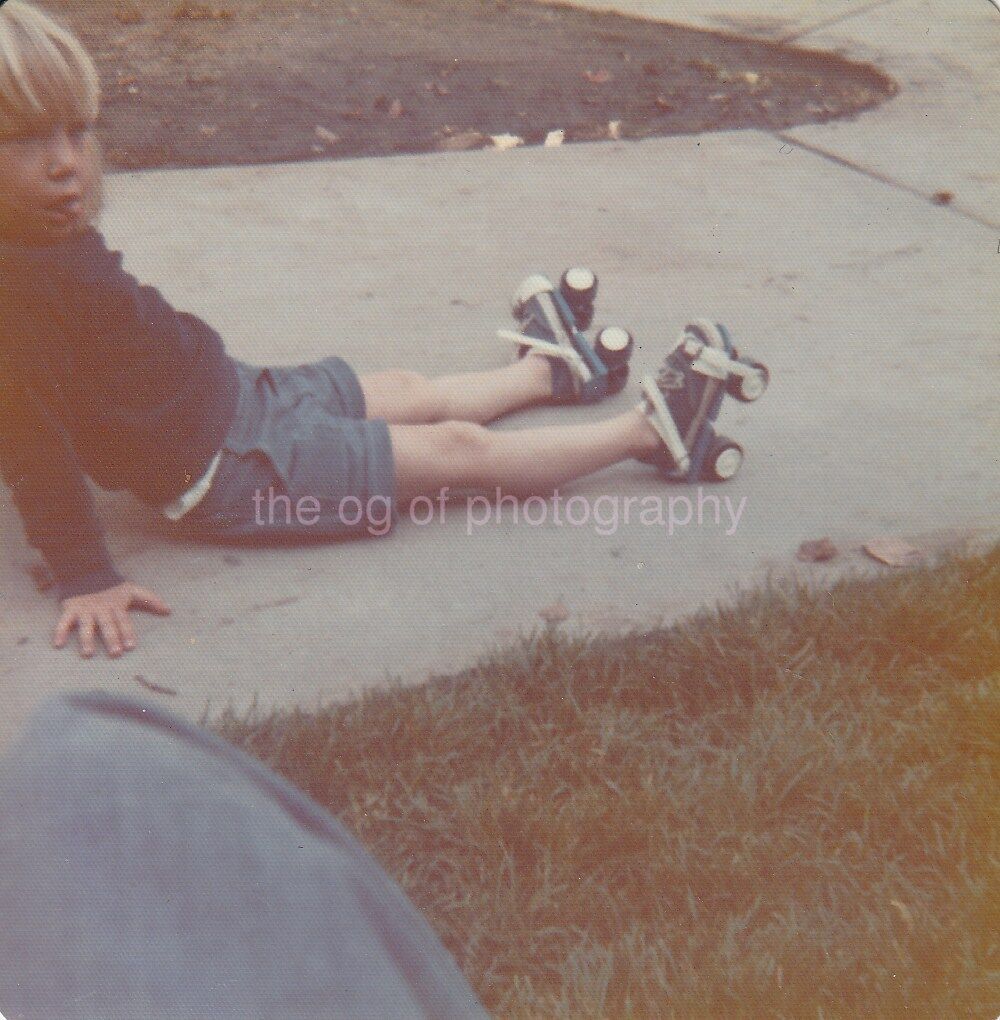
50 182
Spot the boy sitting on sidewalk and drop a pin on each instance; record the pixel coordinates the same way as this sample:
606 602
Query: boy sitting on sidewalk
101 377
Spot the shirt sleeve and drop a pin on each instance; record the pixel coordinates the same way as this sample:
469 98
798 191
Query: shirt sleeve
50 491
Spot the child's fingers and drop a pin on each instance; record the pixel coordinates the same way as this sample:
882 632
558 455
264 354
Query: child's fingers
146 599
85 629
126 629
109 633
66 624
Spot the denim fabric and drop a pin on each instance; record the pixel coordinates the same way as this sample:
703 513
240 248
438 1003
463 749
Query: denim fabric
300 459
149 869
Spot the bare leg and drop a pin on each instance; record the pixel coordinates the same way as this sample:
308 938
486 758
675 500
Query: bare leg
410 398
521 462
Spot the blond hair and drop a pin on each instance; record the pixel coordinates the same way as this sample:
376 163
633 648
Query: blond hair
46 76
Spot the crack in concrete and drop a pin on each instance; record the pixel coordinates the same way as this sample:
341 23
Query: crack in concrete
827 22
849 164
884 179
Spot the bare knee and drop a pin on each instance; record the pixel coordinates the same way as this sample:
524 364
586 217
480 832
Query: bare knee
402 383
462 438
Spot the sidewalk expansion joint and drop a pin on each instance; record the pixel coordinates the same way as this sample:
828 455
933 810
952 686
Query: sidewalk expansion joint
789 139
836 20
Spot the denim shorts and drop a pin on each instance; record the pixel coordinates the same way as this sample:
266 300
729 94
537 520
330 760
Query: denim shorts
300 459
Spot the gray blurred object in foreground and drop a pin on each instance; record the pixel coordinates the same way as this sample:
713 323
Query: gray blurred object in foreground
149 869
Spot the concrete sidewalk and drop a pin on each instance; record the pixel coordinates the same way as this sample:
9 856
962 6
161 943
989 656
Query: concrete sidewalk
875 309
939 136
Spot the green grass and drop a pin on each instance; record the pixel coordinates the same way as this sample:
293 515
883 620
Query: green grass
785 807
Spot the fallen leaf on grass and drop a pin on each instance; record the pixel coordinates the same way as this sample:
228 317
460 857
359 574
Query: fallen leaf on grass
894 552
600 77
326 136
503 142
555 613
816 551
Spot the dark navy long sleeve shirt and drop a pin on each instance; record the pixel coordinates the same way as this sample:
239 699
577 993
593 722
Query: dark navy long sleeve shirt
99 377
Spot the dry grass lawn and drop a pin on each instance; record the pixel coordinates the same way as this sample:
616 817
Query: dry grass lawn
787 807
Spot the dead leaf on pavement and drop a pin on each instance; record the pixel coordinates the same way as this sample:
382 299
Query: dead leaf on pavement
155 688
555 613
894 552
816 551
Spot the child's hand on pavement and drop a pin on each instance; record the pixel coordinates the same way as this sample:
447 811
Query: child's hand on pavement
108 612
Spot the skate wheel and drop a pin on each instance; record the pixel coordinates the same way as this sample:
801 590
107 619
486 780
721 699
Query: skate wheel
747 389
579 288
617 379
725 457
579 280
614 346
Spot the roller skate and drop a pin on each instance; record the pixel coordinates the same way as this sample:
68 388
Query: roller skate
553 321
683 400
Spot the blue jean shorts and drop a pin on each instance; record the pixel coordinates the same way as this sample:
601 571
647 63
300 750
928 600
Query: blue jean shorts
300 459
